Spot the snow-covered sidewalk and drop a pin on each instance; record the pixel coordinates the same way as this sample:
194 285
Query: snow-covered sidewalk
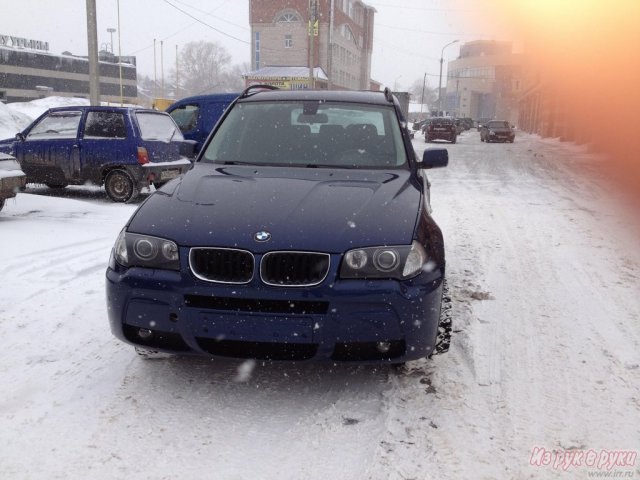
545 353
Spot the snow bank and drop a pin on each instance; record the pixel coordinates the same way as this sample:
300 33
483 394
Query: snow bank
11 122
15 117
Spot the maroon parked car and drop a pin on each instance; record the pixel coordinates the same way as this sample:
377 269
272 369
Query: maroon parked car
441 128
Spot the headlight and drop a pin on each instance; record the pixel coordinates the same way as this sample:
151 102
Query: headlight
134 250
399 262
491 132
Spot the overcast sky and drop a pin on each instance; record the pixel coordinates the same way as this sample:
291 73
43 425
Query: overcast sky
408 34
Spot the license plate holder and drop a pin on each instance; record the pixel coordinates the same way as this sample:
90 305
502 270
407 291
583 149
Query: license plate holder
169 174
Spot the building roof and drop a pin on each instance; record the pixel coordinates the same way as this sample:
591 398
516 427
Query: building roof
287 72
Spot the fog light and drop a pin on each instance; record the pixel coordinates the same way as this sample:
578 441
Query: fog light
144 333
383 347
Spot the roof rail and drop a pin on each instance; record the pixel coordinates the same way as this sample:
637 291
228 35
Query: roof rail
247 91
388 95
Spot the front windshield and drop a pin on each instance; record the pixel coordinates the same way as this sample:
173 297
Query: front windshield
312 134
498 125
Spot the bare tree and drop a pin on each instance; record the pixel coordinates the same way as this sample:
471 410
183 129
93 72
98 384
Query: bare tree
204 68
430 94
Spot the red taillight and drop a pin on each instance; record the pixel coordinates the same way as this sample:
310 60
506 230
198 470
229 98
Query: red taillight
143 156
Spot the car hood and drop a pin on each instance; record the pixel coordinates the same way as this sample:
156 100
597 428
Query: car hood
499 129
329 210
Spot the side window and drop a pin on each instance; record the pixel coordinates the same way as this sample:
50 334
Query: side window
56 125
105 125
186 116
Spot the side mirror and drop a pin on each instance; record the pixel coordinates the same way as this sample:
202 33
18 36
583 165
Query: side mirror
435 158
20 136
188 148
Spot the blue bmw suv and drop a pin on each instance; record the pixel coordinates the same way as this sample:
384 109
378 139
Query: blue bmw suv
303 231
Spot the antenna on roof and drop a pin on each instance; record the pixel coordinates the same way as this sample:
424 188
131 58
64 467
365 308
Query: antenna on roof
388 95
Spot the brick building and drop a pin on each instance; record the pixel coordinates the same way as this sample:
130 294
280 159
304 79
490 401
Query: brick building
340 43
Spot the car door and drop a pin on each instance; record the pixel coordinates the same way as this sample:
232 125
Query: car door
105 141
50 148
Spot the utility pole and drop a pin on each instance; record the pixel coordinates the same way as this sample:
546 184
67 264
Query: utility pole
120 55
177 75
313 32
155 74
424 82
162 68
92 42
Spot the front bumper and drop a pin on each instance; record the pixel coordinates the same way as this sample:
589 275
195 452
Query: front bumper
11 182
365 321
502 136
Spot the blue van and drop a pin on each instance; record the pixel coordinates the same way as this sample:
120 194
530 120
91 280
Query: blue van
197 115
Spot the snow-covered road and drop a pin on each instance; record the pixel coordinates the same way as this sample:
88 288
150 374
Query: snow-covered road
546 311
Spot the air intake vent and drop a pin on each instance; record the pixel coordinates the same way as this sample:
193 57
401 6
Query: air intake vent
222 265
294 269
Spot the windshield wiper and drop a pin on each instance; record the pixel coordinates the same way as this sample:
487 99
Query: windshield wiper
233 162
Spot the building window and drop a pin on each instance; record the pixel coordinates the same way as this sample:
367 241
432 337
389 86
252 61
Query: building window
288 41
346 32
288 16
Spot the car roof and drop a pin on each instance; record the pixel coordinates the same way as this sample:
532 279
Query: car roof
84 108
210 96
351 96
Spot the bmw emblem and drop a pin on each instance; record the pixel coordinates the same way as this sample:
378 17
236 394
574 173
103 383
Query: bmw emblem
262 236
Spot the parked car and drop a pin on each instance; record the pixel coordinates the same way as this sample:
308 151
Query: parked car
12 179
459 125
123 148
441 128
497 131
196 116
481 122
467 123
419 125
303 231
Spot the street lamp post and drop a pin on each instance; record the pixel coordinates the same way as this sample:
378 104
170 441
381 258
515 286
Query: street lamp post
424 81
395 83
111 31
440 79
120 54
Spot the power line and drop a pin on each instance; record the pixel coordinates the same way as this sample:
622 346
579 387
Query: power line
176 32
418 30
210 15
206 24
422 9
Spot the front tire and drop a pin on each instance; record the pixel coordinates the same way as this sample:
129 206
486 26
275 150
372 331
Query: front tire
1 203
120 186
